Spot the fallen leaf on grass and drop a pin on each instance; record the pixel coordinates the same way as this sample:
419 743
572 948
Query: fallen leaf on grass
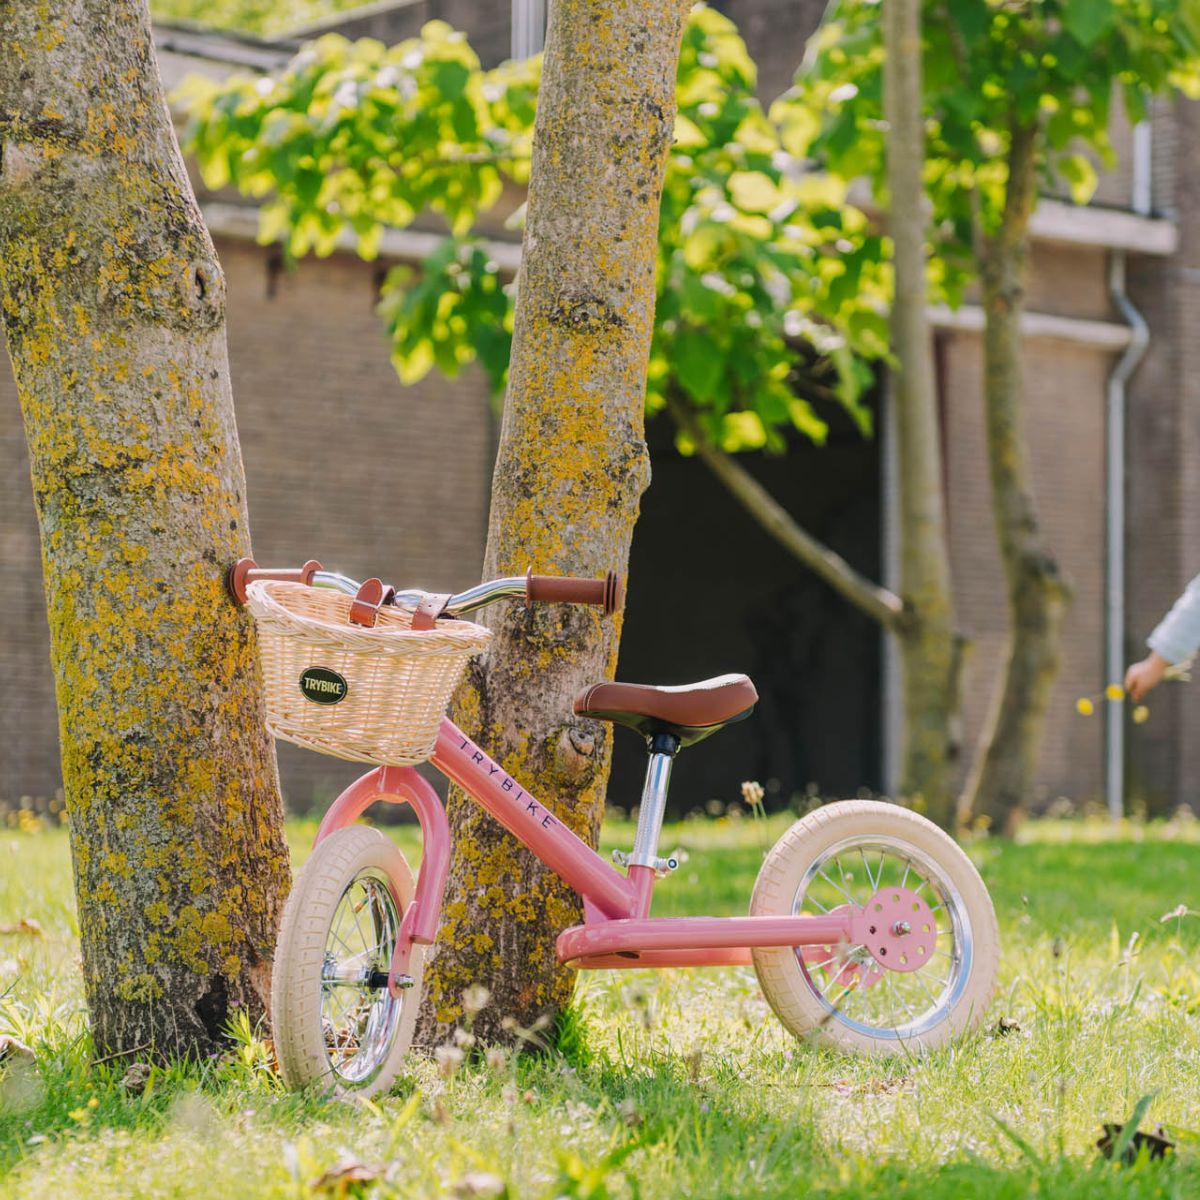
1156 1144
26 926
346 1178
12 1051
1123 1143
875 1087
135 1079
477 1183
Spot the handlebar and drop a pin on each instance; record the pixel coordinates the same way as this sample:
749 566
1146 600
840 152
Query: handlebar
605 593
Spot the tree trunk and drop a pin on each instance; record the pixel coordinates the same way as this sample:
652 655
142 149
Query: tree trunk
571 467
930 650
1037 593
113 309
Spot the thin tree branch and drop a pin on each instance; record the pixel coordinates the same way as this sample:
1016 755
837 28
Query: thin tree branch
877 602
978 233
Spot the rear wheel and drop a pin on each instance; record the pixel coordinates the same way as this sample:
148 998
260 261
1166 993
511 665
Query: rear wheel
336 1025
839 858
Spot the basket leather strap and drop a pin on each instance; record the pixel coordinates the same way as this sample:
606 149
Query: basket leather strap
372 595
429 610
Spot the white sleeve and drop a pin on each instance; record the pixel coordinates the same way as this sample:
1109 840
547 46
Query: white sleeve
1178 633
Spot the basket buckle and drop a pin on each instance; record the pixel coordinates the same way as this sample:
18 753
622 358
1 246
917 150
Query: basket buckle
371 596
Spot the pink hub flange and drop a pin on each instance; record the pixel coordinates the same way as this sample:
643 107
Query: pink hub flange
898 928
843 961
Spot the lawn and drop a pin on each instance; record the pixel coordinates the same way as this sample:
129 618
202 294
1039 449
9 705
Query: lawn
670 1085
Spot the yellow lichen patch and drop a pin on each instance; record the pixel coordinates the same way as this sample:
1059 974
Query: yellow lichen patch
136 488
571 466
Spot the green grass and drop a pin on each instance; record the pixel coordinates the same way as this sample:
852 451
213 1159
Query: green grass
674 1084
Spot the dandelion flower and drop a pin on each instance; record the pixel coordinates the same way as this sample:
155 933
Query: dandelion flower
1084 707
752 792
1114 691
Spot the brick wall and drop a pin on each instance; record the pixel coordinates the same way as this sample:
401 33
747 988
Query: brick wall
1065 430
28 719
342 464
487 23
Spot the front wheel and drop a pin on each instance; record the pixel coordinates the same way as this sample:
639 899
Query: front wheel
336 1025
837 859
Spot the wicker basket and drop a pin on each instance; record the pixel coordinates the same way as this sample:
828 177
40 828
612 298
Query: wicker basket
368 695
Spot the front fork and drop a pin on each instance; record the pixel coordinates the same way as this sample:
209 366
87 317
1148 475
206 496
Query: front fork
403 785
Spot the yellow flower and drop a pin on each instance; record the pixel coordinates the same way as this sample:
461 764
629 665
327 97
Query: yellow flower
1084 707
1114 691
1141 715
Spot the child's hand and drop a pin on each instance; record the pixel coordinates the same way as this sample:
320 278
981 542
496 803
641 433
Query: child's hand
1145 676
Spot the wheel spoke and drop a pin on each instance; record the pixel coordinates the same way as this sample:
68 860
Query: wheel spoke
354 911
867 867
921 980
893 987
350 953
829 881
842 873
819 966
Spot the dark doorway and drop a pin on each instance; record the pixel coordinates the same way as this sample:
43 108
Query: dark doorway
710 592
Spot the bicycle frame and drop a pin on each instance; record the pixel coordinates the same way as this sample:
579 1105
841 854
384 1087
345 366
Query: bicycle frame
618 930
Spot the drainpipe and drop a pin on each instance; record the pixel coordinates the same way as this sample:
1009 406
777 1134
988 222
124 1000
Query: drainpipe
1139 341
528 28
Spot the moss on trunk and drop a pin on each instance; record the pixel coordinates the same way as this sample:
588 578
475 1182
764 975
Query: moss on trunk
113 308
571 467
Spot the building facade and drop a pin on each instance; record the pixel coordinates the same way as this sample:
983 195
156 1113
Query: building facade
313 384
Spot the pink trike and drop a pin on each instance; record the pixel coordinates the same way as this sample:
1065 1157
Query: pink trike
869 928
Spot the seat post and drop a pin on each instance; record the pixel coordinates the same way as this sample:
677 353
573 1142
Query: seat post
662 748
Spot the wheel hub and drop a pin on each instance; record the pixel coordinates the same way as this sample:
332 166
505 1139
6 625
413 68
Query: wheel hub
897 926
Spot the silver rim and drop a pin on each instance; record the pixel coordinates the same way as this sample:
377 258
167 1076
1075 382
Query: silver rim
896 1005
358 1017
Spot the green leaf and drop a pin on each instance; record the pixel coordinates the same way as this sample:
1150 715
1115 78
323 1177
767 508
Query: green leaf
742 431
754 192
1080 176
697 364
1088 20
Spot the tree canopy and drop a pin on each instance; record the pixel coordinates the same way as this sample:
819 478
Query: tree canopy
1053 66
765 270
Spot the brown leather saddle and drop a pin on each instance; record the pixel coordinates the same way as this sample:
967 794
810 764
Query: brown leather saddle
688 713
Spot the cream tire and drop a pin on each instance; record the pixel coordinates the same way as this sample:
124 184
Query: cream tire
801 874
340 921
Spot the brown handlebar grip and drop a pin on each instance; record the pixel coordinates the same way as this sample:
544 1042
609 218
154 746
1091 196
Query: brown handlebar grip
605 593
246 570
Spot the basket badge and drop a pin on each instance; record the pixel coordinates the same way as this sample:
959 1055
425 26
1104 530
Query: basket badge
323 686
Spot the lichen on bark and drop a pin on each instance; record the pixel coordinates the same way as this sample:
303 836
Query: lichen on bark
112 302
571 466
